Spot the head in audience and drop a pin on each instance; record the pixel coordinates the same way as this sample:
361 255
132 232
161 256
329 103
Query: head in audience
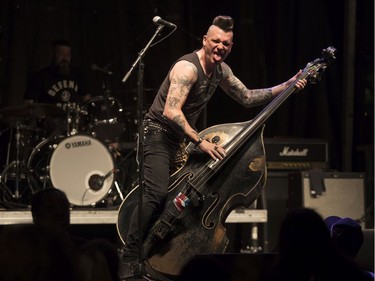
28 253
50 209
346 234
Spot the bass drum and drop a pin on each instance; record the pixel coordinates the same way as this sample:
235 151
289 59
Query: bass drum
80 165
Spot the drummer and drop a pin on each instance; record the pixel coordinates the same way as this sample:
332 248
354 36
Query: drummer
58 83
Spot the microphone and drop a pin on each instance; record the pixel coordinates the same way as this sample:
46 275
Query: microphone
96 182
97 68
159 20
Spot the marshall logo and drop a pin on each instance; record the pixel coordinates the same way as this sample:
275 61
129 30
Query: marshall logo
293 152
77 144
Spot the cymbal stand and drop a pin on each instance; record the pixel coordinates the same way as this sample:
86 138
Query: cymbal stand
8 151
70 119
3 175
66 107
76 112
15 164
107 93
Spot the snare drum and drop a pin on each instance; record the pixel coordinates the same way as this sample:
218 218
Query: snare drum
80 165
103 114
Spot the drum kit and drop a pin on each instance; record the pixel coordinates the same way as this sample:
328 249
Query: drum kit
82 160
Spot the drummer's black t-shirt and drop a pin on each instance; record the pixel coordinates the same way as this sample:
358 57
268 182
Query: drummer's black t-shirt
48 86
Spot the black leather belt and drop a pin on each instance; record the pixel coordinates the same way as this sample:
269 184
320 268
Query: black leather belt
157 125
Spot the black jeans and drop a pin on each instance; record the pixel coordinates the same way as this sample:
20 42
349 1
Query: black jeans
160 148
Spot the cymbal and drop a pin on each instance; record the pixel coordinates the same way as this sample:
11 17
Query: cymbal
32 110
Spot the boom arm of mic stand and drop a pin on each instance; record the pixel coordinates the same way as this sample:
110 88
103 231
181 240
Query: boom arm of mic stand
142 53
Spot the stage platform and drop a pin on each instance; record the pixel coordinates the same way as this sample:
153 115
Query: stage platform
105 216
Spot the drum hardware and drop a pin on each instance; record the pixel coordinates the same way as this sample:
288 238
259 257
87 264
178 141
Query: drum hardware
17 116
119 191
15 170
17 162
6 192
73 117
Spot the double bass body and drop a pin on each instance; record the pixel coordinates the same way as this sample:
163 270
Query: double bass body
213 191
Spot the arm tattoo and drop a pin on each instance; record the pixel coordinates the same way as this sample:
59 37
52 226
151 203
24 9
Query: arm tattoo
246 96
259 96
179 121
237 90
180 85
173 102
181 82
184 85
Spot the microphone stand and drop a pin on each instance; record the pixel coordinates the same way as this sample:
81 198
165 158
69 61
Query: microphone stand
139 158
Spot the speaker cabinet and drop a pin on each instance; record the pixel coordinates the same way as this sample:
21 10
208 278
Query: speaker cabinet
275 199
343 194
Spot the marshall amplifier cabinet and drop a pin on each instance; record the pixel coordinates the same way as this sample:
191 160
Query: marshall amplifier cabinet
296 154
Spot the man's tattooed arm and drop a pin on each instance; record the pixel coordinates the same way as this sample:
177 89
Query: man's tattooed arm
248 97
183 76
180 121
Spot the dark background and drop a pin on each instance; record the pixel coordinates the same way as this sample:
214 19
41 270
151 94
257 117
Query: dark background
273 40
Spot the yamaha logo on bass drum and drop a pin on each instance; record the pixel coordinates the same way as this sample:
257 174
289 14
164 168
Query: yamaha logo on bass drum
77 144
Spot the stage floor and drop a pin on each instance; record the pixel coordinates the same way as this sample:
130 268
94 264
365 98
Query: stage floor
105 216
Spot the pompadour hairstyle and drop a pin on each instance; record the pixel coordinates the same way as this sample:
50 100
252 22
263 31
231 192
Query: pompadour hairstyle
224 22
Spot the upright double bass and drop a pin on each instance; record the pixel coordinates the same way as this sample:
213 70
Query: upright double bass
203 192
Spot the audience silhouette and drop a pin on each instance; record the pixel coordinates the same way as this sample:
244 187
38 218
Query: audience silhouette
29 253
46 250
347 236
50 209
309 249
307 252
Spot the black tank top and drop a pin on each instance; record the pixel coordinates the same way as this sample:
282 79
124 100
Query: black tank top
199 95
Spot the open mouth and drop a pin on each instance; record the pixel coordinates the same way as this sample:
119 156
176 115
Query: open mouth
217 57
